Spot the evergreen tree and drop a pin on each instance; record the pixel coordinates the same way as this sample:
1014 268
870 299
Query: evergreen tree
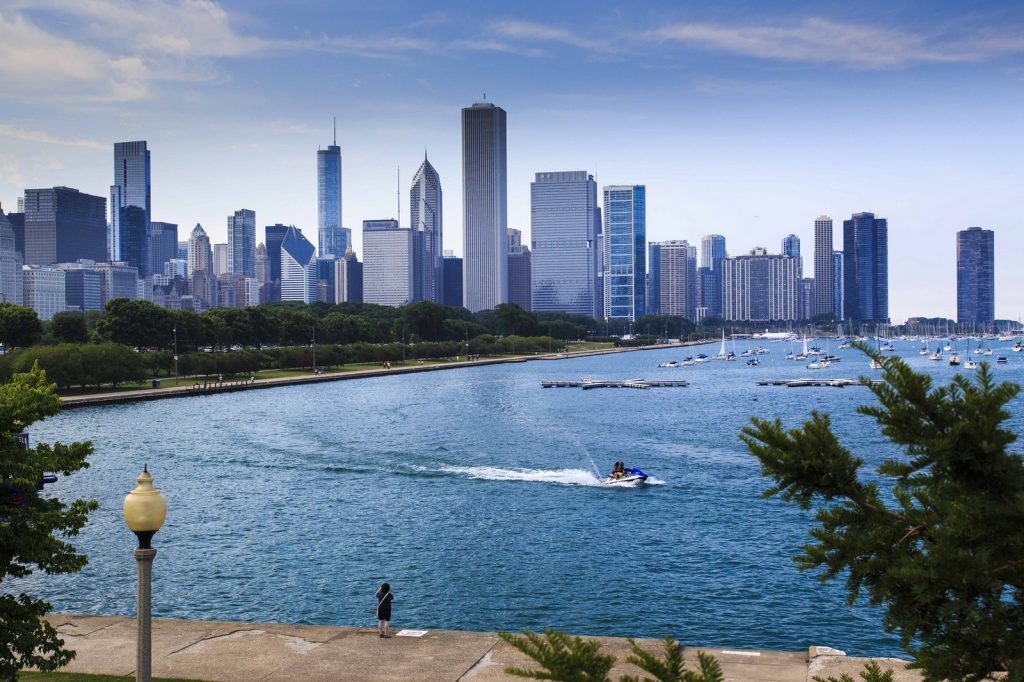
33 528
944 553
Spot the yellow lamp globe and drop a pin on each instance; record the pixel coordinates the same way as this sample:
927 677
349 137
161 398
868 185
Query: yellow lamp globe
145 509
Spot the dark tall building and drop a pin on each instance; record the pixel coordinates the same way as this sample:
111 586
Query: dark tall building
348 278
131 188
134 239
163 245
484 206
975 276
709 293
520 289
325 280
63 225
273 239
453 281
824 303
865 268
17 221
83 289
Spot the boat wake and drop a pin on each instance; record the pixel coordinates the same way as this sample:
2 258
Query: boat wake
559 476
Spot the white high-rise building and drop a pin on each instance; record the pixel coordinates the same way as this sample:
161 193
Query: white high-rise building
298 268
484 207
426 220
760 287
44 290
388 263
673 269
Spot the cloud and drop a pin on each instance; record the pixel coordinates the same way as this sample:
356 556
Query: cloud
528 30
25 135
823 41
33 60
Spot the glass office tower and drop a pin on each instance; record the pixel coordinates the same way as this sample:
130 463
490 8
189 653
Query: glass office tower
131 188
484 207
564 226
333 238
242 243
865 268
625 245
426 221
975 277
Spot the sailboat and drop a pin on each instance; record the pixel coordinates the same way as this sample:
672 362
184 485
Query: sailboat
970 364
937 355
803 353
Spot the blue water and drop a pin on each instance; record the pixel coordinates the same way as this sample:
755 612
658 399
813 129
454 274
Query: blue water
472 492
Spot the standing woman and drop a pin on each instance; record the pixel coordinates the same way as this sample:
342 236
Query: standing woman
384 599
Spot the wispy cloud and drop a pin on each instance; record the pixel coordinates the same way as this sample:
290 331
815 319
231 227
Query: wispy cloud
26 135
824 41
529 30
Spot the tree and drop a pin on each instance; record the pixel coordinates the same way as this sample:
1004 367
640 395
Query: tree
944 554
69 327
573 659
33 528
19 326
141 324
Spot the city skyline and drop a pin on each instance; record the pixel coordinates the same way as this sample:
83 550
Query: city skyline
755 129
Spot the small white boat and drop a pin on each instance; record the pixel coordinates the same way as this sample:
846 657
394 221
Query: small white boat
671 364
875 364
819 364
970 364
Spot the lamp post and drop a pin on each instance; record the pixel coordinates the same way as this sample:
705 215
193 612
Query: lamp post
144 511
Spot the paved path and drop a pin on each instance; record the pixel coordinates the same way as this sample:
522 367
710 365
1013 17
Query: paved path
245 652
187 386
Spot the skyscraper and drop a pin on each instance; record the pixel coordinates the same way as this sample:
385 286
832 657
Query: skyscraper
163 245
865 268
242 243
11 278
565 221
135 237
484 207
519 285
426 220
823 268
44 290
388 263
712 251
760 287
673 279
839 302
328 181
131 188
625 246
975 277
791 248
200 265
220 259
298 268
452 280
348 278
64 225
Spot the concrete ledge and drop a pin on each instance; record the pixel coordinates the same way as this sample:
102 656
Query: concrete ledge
240 652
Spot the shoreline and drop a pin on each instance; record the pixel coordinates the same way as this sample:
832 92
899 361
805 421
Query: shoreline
219 650
147 394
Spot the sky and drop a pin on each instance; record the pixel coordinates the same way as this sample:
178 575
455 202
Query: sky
746 119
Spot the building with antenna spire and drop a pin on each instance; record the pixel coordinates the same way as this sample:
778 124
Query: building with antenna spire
426 222
333 238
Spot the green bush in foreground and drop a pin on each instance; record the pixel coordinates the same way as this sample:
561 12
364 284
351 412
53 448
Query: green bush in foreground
572 659
944 554
871 673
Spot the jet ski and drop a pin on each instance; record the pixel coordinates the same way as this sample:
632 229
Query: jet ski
630 478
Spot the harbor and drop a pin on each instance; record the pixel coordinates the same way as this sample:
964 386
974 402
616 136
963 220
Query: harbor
833 383
587 384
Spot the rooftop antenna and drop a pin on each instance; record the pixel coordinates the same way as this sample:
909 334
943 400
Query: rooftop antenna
335 131
398 193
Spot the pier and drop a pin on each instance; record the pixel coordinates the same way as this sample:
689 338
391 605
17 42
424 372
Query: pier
834 383
587 384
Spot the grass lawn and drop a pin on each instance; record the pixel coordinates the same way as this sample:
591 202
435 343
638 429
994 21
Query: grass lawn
30 676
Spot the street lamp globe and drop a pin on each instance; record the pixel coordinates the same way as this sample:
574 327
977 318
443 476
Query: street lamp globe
145 509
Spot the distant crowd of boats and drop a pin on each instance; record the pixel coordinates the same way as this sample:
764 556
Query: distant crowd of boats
821 358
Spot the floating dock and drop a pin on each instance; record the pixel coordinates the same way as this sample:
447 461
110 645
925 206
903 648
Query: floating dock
834 383
587 384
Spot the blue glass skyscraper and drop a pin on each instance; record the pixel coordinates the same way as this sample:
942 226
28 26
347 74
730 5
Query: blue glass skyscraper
131 188
426 220
625 247
242 243
975 277
564 224
333 238
866 268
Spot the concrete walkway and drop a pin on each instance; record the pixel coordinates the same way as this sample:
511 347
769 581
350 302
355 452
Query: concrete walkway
245 652
188 386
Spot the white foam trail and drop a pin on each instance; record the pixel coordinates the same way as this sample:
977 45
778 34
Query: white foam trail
651 480
560 476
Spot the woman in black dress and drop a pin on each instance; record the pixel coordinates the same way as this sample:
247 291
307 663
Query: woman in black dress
384 599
